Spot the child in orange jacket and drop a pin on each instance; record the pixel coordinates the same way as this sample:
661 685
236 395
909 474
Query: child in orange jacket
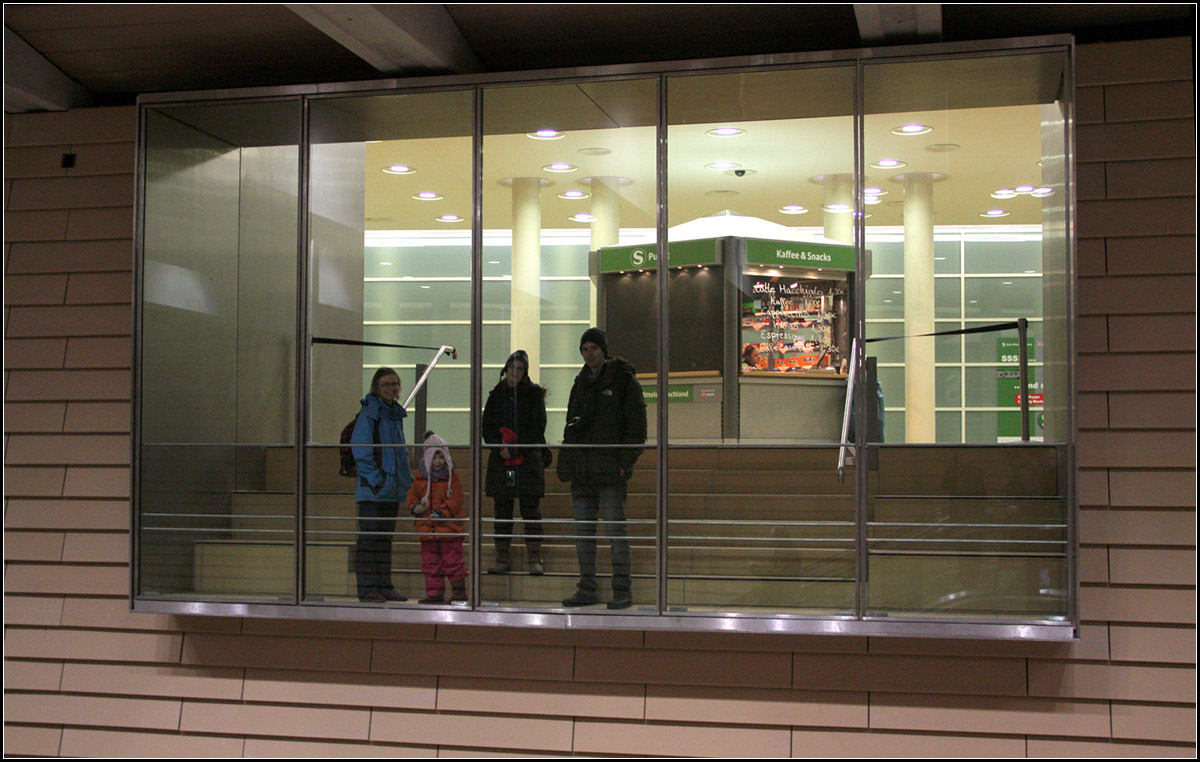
436 501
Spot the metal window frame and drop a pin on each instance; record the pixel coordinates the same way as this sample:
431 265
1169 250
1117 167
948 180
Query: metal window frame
662 619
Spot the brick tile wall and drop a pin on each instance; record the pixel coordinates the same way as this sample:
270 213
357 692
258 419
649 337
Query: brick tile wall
85 677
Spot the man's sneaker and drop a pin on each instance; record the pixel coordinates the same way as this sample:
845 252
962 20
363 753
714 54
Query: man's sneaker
621 601
581 599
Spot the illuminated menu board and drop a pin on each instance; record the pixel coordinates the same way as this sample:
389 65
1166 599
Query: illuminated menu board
794 324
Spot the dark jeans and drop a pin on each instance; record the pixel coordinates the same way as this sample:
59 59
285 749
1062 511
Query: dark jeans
373 550
531 512
607 503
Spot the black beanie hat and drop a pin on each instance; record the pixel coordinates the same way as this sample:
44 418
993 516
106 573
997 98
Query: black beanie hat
519 356
597 337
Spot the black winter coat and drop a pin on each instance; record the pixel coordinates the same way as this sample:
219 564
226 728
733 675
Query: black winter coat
523 410
609 409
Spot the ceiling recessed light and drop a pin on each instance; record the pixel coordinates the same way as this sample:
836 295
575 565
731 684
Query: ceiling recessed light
386 264
942 147
1042 192
837 208
725 132
722 166
582 217
595 151
546 134
793 209
574 195
399 169
1004 193
449 218
560 166
1024 189
874 191
428 196
888 164
721 192
912 129
994 213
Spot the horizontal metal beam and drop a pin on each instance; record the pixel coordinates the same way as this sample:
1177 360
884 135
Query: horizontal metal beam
774 622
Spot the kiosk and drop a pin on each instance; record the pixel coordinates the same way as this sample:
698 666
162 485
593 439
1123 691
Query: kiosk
759 333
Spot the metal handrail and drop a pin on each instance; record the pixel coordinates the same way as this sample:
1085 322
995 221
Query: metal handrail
439 352
1022 326
846 413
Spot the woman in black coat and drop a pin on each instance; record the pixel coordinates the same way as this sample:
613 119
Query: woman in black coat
515 414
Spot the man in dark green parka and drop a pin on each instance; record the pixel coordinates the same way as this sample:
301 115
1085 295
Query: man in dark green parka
606 407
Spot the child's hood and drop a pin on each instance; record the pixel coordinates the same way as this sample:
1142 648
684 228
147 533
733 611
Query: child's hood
434 444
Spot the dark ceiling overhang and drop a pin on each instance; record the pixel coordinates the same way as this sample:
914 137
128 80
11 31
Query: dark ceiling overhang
73 55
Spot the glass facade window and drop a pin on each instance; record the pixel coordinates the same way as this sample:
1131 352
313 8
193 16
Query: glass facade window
569 169
762 163
217 351
781 348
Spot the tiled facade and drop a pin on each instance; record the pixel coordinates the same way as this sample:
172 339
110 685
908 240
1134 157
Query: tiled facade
85 677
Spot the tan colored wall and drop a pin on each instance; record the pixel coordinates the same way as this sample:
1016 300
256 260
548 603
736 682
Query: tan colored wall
83 676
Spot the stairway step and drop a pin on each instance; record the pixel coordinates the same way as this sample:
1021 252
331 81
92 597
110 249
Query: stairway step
232 566
337 512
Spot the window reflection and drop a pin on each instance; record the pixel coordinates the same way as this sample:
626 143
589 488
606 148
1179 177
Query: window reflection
218 343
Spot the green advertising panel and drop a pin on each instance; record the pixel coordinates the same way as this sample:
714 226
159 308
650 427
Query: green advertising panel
615 259
827 256
1008 390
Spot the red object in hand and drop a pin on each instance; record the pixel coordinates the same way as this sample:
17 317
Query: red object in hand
510 437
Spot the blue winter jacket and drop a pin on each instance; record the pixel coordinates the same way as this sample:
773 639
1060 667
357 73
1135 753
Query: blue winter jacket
383 472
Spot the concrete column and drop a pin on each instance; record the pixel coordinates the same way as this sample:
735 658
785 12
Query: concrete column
920 422
526 331
606 227
839 193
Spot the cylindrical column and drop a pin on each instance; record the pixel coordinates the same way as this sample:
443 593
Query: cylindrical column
526 326
839 207
606 224
920 422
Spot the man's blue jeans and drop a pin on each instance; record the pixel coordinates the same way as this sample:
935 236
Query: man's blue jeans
608 503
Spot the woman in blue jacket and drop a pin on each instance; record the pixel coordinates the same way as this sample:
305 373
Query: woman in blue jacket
383 481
